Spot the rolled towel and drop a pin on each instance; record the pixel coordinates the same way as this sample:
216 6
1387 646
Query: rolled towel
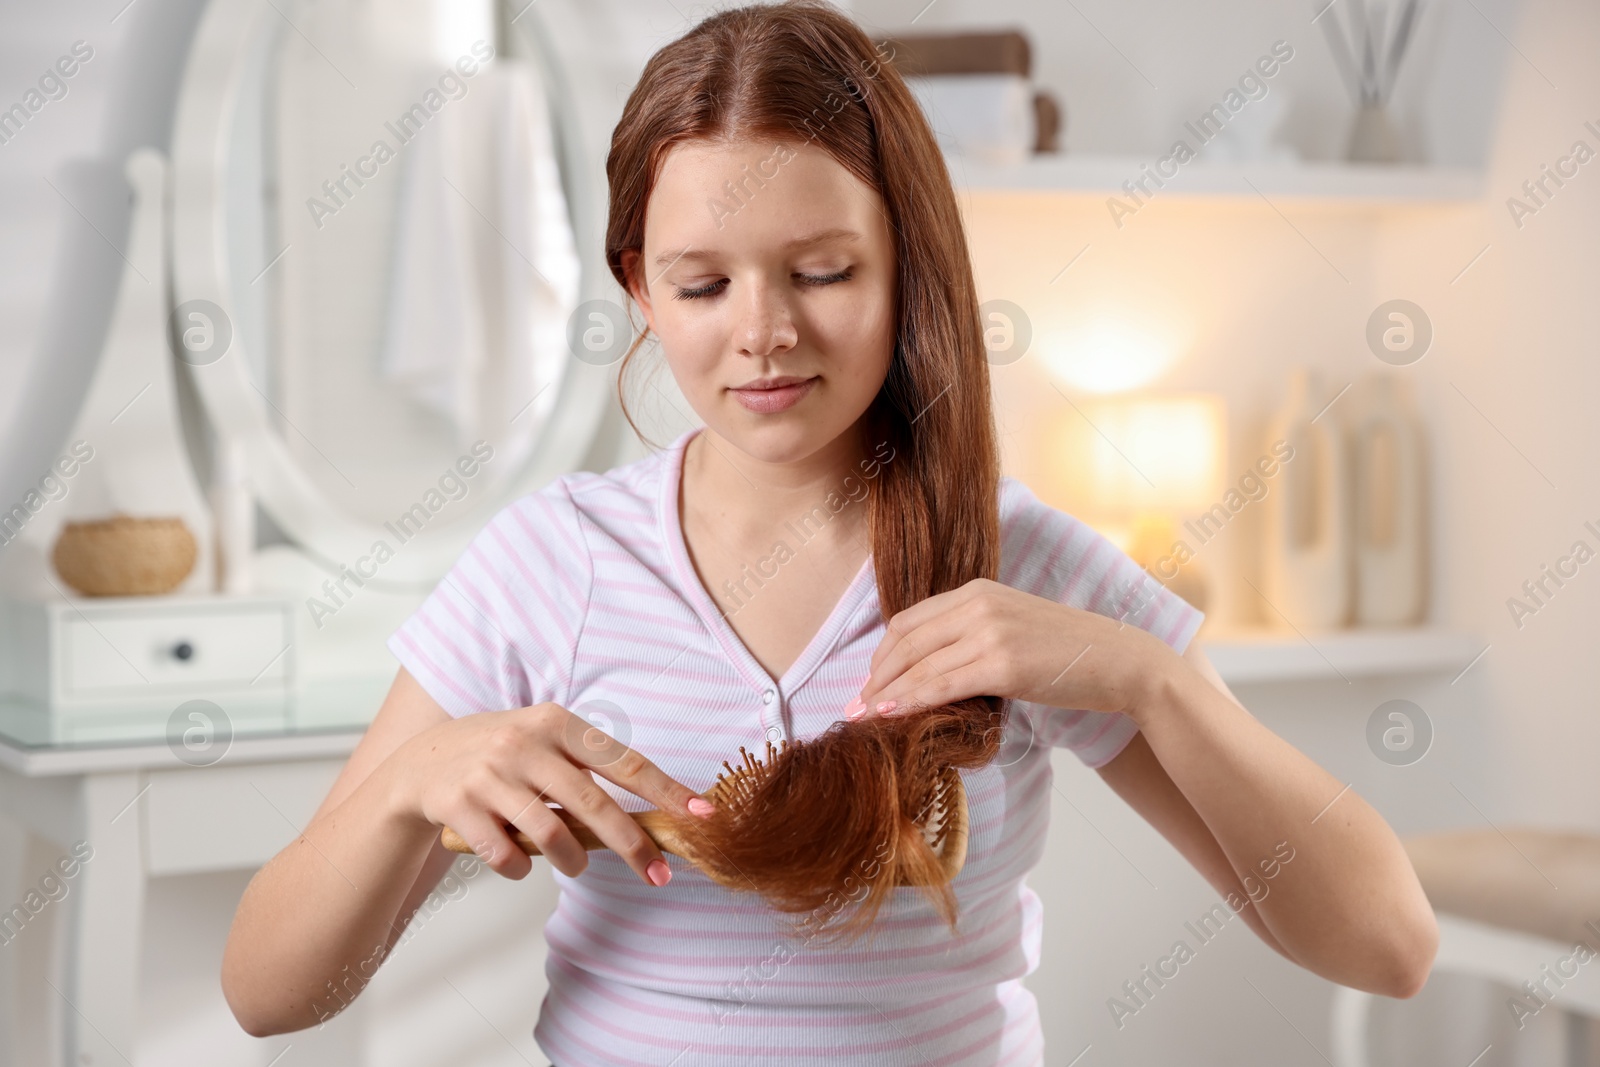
1048 119
976 91
993 52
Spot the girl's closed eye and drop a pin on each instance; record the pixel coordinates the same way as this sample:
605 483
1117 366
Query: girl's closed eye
716 287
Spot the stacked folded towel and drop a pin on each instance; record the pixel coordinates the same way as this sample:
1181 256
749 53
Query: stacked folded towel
976 90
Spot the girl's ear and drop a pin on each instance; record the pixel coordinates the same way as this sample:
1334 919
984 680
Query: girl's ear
636 288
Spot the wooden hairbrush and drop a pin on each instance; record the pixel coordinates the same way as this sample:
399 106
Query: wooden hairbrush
942 817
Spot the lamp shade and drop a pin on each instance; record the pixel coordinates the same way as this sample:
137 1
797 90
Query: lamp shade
1133 454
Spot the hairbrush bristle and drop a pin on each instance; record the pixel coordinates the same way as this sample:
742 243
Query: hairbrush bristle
737 789
934 813
756 836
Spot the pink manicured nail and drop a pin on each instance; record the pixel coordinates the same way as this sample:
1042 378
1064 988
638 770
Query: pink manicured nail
855 709
887 706
658 873
698 806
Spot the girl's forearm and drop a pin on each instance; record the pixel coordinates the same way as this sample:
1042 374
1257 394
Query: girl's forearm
1349 906
316 921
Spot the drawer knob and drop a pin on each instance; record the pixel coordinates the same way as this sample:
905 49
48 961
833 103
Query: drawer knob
183 650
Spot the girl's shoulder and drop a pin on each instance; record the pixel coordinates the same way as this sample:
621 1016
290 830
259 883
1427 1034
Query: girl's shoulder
1036 539
627 490
1026 521
1049 553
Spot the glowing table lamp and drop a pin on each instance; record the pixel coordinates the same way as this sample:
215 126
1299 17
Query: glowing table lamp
1134 464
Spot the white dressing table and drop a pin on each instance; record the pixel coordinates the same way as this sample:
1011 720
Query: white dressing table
69 975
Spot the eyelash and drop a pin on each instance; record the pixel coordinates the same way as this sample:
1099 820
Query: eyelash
713 288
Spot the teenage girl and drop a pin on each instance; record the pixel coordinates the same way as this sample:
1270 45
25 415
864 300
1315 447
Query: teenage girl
820 549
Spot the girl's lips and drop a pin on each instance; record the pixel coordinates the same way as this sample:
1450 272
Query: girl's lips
767 401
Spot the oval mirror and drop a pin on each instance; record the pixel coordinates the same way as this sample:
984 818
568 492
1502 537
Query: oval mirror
383 224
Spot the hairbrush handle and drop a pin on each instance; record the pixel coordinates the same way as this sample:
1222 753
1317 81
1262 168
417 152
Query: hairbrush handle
656 826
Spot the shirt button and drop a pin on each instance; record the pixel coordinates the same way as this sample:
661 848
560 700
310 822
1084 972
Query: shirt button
766 696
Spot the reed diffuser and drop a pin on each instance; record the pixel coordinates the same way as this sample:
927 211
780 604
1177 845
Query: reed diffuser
1367 32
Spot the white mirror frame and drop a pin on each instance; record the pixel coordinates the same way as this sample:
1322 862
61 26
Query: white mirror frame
202 133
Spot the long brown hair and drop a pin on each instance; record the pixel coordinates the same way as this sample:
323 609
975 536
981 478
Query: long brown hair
839 810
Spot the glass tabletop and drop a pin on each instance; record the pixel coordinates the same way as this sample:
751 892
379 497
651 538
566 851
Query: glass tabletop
190 724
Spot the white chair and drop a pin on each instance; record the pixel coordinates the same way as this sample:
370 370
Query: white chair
1511 906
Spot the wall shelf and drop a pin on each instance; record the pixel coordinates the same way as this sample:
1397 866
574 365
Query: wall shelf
1334 182
1244 655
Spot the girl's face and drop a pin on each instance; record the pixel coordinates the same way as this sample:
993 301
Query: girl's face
769 274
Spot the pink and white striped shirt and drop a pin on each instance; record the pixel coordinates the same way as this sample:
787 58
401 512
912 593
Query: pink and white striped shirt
583 594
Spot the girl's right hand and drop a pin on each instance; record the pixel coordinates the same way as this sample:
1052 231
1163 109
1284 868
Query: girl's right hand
479 772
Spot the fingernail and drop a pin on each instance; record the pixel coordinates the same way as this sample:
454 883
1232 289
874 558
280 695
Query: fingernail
658 873
701 807
855 709
887 706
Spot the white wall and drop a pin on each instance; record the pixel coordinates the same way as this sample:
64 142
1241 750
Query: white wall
61 260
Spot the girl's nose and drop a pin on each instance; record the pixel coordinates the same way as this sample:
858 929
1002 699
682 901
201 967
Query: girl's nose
767 321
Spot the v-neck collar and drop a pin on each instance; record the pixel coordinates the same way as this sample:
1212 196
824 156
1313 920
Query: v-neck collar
821 642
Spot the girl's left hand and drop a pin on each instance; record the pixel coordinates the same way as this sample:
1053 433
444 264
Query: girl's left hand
988 639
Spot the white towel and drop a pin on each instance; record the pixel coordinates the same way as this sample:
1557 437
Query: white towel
989 117
486 270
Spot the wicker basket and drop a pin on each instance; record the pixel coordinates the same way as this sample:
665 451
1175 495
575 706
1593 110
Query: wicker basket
125 556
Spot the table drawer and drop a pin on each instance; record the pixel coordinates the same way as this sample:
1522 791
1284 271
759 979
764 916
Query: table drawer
177 649
229 817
